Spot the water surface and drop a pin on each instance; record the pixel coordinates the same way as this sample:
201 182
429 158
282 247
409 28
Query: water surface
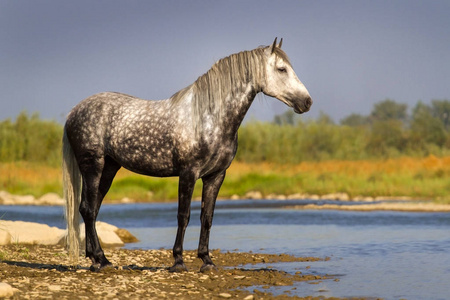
392 255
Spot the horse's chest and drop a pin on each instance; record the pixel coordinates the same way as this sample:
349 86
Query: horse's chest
217 158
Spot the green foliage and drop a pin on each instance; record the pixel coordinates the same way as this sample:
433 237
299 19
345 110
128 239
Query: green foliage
389 110
427 128
355 120
440 109
388 131
29 138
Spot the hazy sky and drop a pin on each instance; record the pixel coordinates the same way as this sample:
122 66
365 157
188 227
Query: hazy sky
349 54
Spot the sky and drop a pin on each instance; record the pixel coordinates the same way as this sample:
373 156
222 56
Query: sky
349 54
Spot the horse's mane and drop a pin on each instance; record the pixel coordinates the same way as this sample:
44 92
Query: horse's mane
223 79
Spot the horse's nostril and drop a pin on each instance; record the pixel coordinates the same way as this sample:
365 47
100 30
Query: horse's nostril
308 102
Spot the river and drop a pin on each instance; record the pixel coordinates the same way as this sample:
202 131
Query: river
380 254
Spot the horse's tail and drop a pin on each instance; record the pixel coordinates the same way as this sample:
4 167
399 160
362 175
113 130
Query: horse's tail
72 196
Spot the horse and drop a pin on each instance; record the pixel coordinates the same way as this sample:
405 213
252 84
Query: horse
192 135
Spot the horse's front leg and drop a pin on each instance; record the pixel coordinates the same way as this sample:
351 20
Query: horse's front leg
185 189
211 187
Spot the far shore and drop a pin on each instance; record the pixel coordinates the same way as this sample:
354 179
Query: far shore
344 202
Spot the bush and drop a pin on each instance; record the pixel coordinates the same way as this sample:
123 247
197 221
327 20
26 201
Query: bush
29 138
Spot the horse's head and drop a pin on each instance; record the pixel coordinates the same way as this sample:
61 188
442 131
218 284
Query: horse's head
282 82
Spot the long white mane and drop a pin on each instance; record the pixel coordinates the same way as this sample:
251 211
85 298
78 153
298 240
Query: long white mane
223 80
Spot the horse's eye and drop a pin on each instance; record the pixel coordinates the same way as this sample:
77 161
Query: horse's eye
282 70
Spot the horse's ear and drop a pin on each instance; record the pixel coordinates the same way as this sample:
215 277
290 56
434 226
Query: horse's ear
274 45
281 42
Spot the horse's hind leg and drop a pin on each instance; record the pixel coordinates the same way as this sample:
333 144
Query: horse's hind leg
211 187
97 178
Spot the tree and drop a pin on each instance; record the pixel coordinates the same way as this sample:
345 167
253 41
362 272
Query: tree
389 110
386 136
286 118
425 127
355 120
441 109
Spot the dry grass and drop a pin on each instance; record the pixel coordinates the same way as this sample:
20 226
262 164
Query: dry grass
415 177
30 178
430 164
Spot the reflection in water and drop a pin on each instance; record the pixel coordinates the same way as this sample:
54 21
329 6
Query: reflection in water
391 255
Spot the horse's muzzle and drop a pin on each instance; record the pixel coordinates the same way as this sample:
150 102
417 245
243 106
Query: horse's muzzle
303 105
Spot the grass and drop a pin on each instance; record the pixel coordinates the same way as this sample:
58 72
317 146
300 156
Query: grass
423 178
25 178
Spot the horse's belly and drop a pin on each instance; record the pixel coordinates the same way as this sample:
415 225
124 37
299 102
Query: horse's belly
146 162
161 169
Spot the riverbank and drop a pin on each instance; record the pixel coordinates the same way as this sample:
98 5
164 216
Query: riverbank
414 178
43 272
343 202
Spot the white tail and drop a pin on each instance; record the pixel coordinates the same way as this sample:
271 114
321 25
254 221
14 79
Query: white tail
72 195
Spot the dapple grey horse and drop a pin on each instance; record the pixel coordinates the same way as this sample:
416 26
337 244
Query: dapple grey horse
192 135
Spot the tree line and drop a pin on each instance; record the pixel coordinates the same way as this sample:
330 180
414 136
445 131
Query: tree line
390 130
29 138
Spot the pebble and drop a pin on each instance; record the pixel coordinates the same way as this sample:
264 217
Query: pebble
6 290
204 277
149 283
188 286
54 288
225 295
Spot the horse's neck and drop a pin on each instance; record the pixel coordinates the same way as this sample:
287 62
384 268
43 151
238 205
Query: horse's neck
235 108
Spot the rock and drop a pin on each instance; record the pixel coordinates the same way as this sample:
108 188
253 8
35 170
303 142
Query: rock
50 199
249 297
54 288
256 195
225 295
32 233
314 197
126 200
126 236
3 197
276 197
297 196
106 234
9 199
203 278
6 290
5 237
47 199
235 197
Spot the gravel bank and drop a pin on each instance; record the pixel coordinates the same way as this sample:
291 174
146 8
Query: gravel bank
43 272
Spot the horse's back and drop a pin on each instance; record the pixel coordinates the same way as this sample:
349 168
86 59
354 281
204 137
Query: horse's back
134 132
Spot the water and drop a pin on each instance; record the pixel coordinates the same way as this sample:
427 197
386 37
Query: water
391 255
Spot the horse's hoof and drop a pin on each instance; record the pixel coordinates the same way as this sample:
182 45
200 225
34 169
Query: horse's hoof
98 267
208 268
177 268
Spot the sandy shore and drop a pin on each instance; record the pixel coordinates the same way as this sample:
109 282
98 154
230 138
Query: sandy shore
38 272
